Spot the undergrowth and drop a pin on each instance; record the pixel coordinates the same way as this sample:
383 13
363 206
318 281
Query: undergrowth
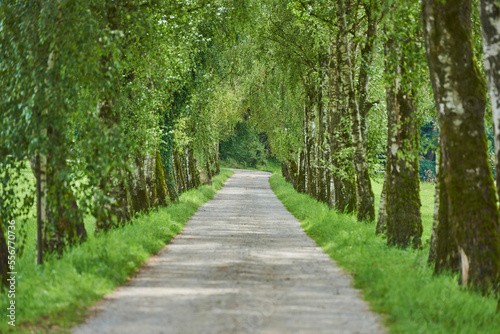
397 283
56 295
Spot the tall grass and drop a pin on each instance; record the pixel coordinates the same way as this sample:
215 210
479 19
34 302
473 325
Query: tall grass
57 294
397 283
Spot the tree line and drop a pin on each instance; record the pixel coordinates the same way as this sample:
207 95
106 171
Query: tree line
342 87
106 104
120 106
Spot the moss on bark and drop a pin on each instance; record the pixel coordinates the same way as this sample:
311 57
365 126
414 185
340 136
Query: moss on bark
446 257
138 189
161 185
404 223
460 96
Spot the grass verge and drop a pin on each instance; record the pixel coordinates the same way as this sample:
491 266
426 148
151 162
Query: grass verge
397 283
55 296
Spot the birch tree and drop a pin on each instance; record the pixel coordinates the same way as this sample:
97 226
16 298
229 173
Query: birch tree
490 23
467 187
402 197
365 206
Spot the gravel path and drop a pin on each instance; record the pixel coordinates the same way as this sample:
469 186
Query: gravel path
242 265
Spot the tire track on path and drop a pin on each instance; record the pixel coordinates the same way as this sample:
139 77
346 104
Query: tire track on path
242 264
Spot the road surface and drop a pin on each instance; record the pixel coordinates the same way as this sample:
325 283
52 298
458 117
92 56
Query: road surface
242 264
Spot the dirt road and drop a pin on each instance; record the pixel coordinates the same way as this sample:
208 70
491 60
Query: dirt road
242 265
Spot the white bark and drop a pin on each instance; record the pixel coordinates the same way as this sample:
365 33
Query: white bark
490 21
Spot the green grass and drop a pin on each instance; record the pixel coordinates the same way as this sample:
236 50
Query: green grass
397 283
56 295
268 166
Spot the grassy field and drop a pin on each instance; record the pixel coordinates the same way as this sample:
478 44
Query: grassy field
397 283
57 295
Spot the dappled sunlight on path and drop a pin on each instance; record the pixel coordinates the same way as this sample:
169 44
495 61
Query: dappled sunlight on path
242 265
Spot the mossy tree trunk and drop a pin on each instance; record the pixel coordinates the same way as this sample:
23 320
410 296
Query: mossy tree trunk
193 171
310 107
404 223
161 185
446 257
343 176
301 176
435 219
390 98
323 146
366 59
460 98
138 188
490 22
150 177
179 172
365 201
382 213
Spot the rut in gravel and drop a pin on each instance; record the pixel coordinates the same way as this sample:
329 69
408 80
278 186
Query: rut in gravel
242 264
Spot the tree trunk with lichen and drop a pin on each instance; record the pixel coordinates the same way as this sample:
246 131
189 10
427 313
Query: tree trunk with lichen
404 223
371 10
365 201
138 187
323 151
446 256
301 175
161 185
289 171
490 23
435 219
403 220
343 176
180 180
382 213
468 187
310 106
150 178
192 169
390 98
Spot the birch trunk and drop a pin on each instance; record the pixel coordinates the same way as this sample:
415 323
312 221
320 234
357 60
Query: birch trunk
366 60
310 135
435 220
323 149
460 98
138 188
365 205
382 213
403 220
194 172
301 177
404 223
446 257
390 98
161 186
150 178
343 176
490 23
179 173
